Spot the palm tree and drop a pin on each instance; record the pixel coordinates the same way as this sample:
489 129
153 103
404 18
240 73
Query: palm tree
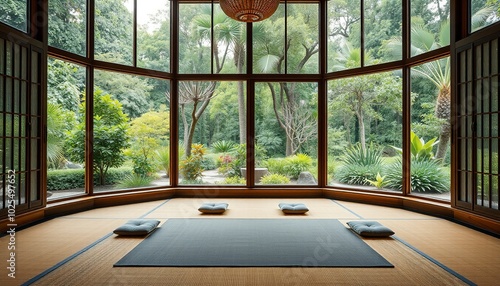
228 35
438 72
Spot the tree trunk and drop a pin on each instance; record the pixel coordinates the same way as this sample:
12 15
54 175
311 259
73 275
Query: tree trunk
289 151
443 112
242 116
444 138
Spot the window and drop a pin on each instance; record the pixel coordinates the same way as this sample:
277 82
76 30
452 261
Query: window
14 13
365 132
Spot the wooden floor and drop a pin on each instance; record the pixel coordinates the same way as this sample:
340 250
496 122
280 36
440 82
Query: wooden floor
80 249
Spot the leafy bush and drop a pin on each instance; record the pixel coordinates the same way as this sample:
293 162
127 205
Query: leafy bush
274 179
235 180
379 181
223 146
420 150
425 176
357 156
134 181
360 165
66 179
191 168
110 135
208 163
357 174
296 164
163 159
143 166
276 166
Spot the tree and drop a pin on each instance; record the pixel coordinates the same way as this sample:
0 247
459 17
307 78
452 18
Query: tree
67 25
298 54
148 133
59 121
13 12
359 97
198 94
110 135
131 91
62 85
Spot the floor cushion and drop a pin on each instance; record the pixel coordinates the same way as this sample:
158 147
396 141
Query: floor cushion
370 228
135 227
293 208
213 208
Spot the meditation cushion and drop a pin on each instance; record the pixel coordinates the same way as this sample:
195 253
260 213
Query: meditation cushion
213 208
370 228
137 227
293 208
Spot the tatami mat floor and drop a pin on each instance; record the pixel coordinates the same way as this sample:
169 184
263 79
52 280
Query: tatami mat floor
80 249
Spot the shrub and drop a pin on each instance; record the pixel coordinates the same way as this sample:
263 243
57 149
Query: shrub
425 176
163 159
357 156
360 166
191 168
208 163
134 181
66 179
274 179
276 166
357 174
420 150
296 164
235 180
223 146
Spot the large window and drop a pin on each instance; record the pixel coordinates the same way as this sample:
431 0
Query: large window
365 132
15 14
67 25
286 132
212 147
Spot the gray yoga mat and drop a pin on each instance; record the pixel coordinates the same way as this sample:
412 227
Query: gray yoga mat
252 243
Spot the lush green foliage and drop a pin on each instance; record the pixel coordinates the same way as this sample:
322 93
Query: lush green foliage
162 158
276 166
147 133
378 182
426 176
110 138
296 164
235 180
66 179
360 166
223 146
135 181
191 168
419 149
274 179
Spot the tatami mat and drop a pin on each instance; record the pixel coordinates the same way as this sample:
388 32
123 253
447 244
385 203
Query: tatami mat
472 254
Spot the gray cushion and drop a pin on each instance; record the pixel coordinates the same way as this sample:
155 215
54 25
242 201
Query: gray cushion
213 208
293 208
137 227
370 228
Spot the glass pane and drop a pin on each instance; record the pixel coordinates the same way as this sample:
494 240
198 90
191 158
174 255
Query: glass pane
131 131
195 38
483 13
364 122
430 25
114 31
268 43
230 43
65 129
383 23
153 34
15 14
286 140
67 25
344 35
303 37
430 131
213 144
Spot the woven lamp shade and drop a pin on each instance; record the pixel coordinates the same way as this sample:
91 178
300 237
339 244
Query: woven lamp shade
248 10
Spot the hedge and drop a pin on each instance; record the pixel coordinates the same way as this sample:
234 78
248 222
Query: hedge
66 179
